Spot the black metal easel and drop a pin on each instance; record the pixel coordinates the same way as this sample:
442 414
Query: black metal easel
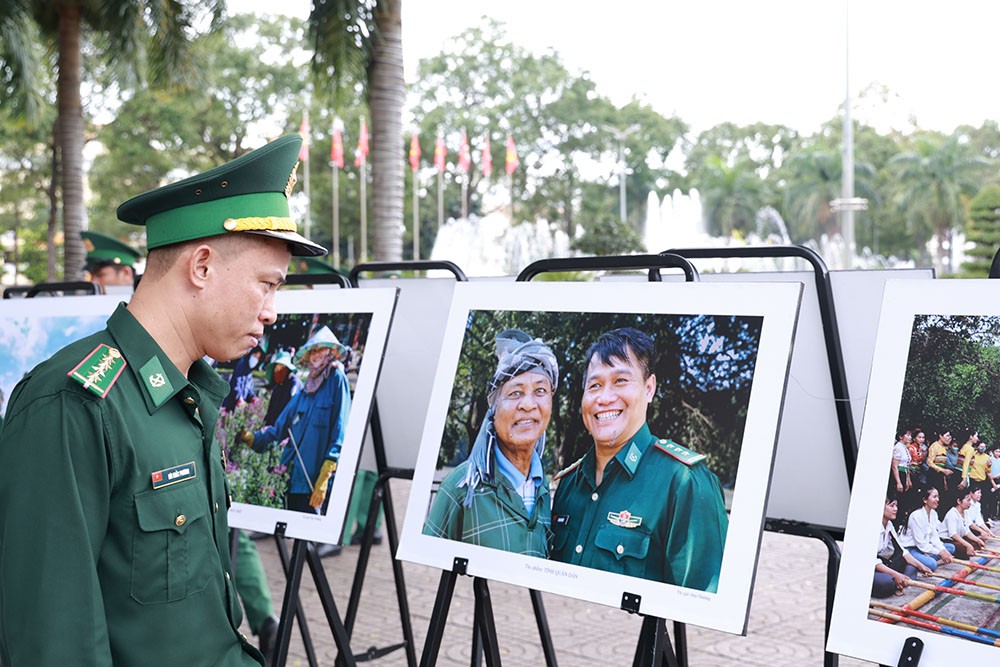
838 377
382 495
654 648
71 288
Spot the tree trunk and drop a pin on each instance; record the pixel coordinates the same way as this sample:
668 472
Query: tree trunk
387 92
70 139
51 247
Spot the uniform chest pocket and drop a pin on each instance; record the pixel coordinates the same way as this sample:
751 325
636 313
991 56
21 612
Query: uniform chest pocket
623 542
172 547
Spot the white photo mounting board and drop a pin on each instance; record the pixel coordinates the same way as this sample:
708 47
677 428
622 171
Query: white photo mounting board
376 306
775 306
965 311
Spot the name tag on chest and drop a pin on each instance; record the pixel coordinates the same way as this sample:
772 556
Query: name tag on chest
168 476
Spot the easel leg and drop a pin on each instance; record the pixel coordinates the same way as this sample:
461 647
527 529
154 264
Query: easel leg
487 625
680 644
439 616
289 607
389 515
330 607
653 648
543 628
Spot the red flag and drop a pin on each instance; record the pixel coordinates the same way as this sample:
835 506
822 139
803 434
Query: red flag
487 157
463 154
304 131
414 152
337 149
512 161
439 153
363 140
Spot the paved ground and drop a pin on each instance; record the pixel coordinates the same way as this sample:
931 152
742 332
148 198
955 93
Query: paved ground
786 618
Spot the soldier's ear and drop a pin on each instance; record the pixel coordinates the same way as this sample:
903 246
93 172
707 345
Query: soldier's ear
650 386
199 264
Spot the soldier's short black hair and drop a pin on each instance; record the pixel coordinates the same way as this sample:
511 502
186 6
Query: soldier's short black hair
616 343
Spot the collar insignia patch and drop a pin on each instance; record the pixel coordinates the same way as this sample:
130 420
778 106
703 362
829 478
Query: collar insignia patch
155 380
100 369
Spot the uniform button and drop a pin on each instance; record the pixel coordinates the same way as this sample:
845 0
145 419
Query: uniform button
619 550
579 548
227 576
216 505
244 638
594 496
180 520
189 400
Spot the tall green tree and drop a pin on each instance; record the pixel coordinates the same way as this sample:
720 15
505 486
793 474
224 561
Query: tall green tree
139 36
936 180
360 43
984 231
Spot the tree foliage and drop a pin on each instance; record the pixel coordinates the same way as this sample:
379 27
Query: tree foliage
704 368
952 379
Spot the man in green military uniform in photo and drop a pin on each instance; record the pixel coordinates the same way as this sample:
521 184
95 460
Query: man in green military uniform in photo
636 504
109 261
113 494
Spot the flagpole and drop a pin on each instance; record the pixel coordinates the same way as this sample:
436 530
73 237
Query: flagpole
363 256
336 217
336 162
416 219
440 199
307 223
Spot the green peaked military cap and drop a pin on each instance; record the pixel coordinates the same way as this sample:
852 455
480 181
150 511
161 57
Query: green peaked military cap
248 194
103 249
312 265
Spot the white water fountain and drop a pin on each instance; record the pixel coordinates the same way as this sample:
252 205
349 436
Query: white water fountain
491 246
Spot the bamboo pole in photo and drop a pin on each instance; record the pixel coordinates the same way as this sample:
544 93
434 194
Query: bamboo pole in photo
363 257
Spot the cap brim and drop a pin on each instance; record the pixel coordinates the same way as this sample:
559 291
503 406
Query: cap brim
299 245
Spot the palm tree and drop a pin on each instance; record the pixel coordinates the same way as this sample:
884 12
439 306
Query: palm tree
936 181
136 37
361 41
731 197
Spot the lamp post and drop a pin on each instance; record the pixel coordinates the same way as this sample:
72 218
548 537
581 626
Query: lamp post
847 203
621 135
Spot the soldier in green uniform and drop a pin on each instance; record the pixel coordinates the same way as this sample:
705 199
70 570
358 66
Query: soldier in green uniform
634 503
109 261
113 494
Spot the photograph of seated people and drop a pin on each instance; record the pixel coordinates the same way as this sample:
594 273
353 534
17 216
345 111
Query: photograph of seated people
894 566
635 503
499 496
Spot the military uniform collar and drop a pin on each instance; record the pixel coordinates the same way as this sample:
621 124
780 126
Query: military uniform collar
631 453
153 370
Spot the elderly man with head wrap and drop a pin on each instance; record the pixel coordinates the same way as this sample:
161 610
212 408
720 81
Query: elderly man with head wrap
499 496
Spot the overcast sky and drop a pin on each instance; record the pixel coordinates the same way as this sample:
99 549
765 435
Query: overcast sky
776 61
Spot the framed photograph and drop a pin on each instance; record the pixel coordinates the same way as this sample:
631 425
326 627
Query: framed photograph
597 439
32 330
294 422
921 553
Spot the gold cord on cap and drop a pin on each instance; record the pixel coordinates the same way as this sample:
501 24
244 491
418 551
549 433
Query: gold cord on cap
269 223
